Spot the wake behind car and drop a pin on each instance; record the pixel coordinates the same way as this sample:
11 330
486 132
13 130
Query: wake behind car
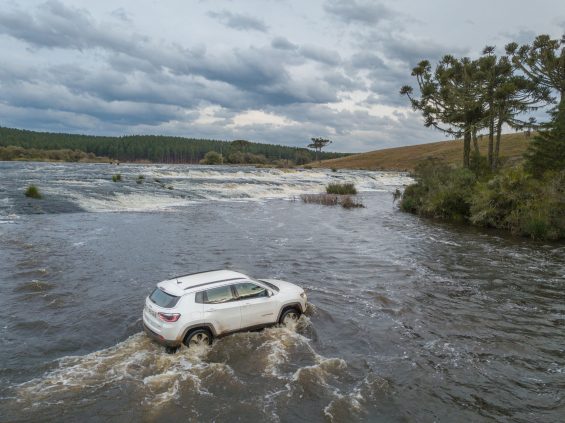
196 308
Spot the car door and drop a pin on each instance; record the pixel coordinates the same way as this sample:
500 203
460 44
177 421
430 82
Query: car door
257 308
221 308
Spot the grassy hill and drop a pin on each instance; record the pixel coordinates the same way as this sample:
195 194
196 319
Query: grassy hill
512 146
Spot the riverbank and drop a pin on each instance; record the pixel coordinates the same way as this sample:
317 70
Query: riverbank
510 199
14 153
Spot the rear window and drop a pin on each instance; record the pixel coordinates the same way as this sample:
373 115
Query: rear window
162 299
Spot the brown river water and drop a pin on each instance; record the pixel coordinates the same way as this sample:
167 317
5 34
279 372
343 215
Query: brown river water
409 320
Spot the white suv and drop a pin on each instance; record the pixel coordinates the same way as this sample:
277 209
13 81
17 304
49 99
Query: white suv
194 309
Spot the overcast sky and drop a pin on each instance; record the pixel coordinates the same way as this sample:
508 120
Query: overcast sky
278 71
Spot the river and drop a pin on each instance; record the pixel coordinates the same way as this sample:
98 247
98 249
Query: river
409 320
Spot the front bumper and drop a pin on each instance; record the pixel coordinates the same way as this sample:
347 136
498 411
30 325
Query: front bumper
159 339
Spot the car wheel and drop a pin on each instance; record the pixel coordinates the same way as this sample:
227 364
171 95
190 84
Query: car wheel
198 337
289 316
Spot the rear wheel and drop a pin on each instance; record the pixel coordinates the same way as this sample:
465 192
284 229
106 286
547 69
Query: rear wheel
289 317
198 337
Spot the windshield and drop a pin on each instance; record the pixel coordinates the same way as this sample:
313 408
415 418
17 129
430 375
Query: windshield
162 299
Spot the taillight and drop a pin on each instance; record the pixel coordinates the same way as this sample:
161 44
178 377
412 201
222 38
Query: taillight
169 317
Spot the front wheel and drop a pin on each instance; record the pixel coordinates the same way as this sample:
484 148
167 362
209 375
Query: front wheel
289 317
198 337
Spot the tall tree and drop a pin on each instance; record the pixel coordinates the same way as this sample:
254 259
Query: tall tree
543 62
450 98
317 144
546 151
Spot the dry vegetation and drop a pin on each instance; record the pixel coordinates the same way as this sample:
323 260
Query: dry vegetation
512 147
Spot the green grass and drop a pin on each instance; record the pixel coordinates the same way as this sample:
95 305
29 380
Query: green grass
33 192
117 177
341 189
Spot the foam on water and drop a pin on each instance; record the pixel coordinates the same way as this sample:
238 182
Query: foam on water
162 378
165 187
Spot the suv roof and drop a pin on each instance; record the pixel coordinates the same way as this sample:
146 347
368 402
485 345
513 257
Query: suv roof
180 284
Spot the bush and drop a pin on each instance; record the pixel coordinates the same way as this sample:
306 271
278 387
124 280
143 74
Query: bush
32 192
212 158
348 202
255 158
513 199
117 177
345 201
341 189
440 191
522 204
324 199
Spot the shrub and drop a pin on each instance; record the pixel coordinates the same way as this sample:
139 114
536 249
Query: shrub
324 199
212 158
341 189
334 169
345 201
117 177
440 191
516 201
32 192
348 202
494 200
236 157
255 158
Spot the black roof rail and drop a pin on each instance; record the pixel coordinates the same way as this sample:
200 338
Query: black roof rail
196 273
212 282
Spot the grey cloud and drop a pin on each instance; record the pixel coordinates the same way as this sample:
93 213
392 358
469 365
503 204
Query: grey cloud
354 11
340 80
521 37
55 25
239 21
364 60
320 54
121 14
282 43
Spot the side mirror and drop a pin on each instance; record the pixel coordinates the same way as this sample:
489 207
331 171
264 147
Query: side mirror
270 293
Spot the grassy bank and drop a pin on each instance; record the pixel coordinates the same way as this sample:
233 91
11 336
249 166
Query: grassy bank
511 199
512 147
12 153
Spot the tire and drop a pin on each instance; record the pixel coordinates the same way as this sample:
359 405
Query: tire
198 337
290 315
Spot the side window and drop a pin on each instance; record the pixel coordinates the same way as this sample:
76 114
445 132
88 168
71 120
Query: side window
218 295
249 290
199 297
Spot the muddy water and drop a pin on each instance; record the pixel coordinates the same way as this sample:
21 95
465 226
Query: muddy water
409 320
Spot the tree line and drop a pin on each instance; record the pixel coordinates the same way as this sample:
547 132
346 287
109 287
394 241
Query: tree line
158 149
465 97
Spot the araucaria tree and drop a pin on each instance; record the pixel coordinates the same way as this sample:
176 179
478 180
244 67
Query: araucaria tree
450 98
507 97
317 144
543 62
